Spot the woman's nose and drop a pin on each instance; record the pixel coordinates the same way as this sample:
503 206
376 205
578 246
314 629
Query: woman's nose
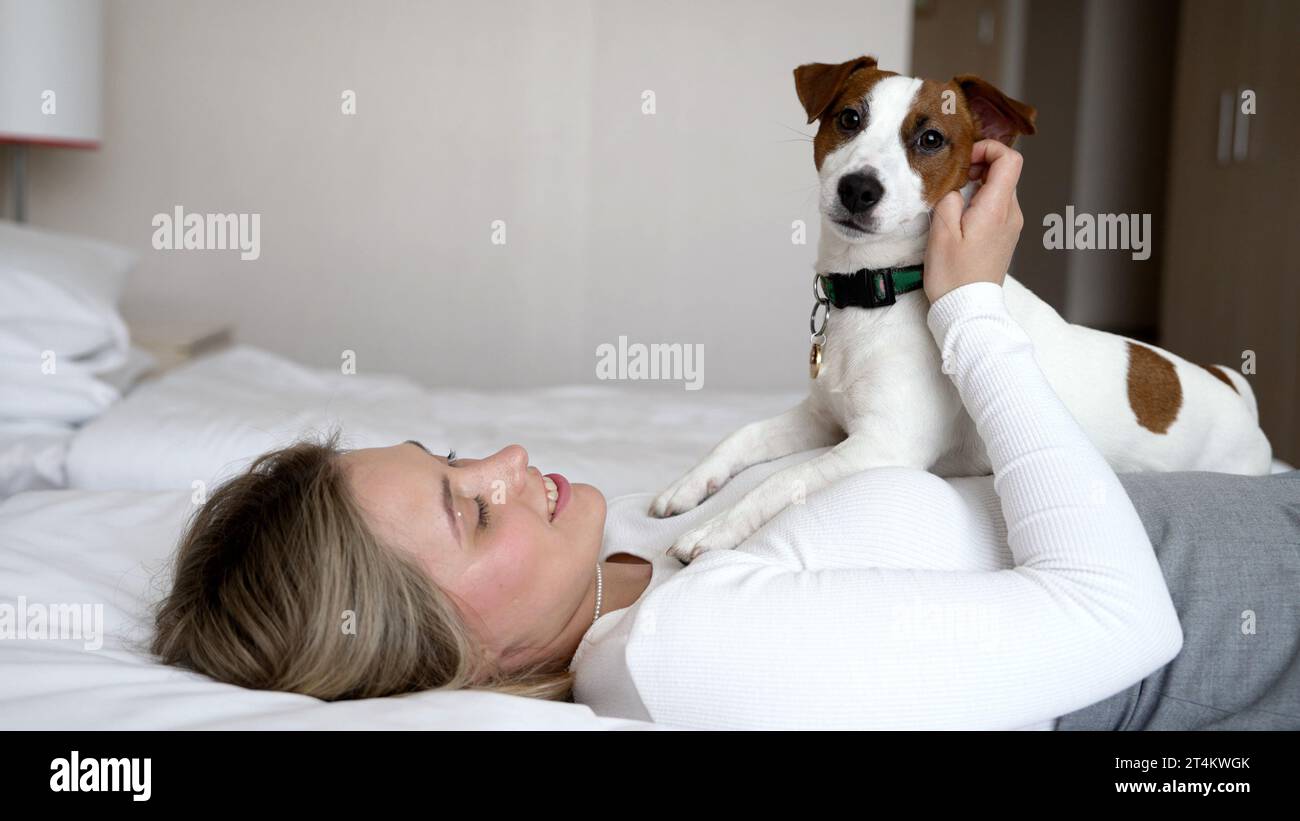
514 458
508 465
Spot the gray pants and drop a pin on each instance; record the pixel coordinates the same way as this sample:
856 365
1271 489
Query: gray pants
1230 550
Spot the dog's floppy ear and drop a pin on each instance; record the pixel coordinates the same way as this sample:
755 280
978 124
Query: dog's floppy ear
998 116
818 83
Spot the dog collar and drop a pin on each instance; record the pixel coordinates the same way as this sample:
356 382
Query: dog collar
870 287
865 288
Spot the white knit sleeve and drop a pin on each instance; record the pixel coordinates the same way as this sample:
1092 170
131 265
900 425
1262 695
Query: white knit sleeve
738 639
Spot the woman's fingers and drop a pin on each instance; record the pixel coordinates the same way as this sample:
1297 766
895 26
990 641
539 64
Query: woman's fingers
1004 169
993 200
947 214
975 245
986 151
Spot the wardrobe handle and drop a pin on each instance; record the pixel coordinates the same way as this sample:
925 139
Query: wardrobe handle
1225 128
1241 131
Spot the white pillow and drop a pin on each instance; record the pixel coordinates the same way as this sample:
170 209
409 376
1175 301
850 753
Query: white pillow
36 386
59 293
32 456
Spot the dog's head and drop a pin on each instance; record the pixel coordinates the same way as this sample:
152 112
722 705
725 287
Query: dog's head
889 147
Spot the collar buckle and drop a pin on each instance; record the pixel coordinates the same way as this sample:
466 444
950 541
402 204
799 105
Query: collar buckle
870 287
882 286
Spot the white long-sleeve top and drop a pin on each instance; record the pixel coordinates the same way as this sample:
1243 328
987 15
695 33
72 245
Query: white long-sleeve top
895 598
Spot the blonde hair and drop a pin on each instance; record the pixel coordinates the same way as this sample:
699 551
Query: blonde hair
271 565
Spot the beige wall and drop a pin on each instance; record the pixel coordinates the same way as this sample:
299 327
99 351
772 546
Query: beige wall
376 228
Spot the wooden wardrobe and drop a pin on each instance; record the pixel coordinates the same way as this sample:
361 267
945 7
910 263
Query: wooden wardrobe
1231 276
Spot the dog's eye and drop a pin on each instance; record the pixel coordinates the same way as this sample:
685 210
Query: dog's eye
930 141
849 119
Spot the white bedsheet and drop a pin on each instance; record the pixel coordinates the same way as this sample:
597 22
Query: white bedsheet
85 548
207 420
32 455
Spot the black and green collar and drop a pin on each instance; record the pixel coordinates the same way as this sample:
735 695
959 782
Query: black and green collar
870 287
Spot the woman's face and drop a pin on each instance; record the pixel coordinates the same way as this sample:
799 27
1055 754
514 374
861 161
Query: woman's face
483 531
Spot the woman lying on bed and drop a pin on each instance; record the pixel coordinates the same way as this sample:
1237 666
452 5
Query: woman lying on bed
892 599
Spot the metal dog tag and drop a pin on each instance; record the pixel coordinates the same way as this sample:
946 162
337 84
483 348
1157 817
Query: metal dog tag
815 360
816 333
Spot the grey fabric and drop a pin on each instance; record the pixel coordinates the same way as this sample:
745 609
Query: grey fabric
1229 547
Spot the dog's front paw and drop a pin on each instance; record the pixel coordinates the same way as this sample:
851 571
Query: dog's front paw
719 533
687 492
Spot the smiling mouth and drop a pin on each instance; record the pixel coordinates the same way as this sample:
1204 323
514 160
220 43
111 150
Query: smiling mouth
552 495
557 493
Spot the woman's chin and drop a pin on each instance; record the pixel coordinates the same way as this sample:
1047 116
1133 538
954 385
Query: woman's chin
589 497
586 508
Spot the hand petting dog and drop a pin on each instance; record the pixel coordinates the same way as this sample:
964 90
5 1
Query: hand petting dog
976 245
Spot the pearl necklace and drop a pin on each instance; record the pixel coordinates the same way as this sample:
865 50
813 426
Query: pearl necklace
600 589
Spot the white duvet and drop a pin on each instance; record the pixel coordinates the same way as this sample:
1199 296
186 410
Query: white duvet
105 551
207 420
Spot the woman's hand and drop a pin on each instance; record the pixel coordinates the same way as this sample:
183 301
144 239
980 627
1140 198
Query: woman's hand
976 246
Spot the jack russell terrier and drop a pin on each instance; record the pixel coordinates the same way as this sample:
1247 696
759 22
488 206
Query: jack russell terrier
888 148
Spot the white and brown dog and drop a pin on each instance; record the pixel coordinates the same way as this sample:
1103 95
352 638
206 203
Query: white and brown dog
887 149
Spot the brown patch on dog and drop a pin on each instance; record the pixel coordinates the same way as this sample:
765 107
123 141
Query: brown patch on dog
1154 392
964 110
948 169
825 90
1221 376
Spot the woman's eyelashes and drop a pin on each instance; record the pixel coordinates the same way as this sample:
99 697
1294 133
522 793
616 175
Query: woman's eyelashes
484 515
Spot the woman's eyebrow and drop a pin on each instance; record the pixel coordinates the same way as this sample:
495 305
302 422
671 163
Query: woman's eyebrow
418 445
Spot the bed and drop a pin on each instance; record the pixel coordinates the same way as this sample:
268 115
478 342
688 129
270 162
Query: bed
132 471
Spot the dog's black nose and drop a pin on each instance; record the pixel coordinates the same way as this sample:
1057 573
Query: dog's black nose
859 192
